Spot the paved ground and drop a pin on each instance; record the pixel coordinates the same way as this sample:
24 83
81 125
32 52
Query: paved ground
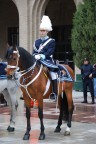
83 129
80 133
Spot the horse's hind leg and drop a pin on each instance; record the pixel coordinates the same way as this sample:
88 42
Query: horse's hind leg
58 129
11 100
70 112
40 114
70 115
27 134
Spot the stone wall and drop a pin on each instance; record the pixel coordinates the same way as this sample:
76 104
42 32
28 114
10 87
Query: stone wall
8 18
27 15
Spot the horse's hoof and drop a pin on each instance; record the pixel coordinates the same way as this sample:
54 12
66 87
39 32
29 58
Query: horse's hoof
26 137
42 137
57 130
67 133
10 129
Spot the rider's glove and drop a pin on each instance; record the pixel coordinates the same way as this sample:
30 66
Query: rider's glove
42 56
37 57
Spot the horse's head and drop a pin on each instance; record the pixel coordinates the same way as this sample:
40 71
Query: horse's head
12 57
18 57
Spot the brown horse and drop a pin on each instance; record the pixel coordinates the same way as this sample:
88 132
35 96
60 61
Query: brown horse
33 83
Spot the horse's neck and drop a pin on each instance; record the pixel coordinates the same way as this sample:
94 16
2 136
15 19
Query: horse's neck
26 62
46 72
42 71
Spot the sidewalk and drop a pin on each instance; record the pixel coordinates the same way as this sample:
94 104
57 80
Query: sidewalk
83 125
78 96
80 132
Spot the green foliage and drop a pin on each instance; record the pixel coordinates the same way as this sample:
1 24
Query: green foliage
84 32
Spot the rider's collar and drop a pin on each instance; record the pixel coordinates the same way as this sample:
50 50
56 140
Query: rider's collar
44 38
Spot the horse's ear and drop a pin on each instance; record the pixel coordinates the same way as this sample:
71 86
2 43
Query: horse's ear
14 47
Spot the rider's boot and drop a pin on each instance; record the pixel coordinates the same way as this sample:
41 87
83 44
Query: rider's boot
54 93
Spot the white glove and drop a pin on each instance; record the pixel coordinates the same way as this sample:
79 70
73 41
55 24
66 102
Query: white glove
37 57
42 56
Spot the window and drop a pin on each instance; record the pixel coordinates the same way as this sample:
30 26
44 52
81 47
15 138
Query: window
13 36
63 52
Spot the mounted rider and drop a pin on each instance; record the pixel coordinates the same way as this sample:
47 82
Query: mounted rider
44 48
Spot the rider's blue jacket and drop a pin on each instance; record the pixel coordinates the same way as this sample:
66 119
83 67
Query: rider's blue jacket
86 70
47 50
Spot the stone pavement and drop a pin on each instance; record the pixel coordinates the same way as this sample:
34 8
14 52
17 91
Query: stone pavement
81 133
83 129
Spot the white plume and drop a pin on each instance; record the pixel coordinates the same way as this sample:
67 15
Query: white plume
46 23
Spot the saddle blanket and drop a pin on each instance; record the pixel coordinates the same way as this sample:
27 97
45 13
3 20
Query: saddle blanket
2 70
64 77
58 68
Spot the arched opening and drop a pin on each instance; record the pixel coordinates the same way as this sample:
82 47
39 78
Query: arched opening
61 14
9 25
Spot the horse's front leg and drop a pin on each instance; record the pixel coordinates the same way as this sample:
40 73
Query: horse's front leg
11 127
40 114
27 134
11 100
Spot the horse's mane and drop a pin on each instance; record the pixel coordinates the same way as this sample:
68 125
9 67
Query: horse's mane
26 59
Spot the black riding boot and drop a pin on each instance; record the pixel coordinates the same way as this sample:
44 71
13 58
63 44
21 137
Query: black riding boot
54 94
85 100
92 101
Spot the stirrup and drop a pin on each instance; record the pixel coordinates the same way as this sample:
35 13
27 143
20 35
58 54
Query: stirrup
53 96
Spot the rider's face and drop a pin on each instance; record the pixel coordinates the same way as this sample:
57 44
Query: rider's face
43 33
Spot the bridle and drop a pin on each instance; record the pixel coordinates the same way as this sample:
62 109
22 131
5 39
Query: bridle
12 66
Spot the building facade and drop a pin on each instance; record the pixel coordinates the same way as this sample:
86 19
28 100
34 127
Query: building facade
20 19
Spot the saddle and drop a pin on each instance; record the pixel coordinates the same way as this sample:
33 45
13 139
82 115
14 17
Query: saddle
2 70
61 70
